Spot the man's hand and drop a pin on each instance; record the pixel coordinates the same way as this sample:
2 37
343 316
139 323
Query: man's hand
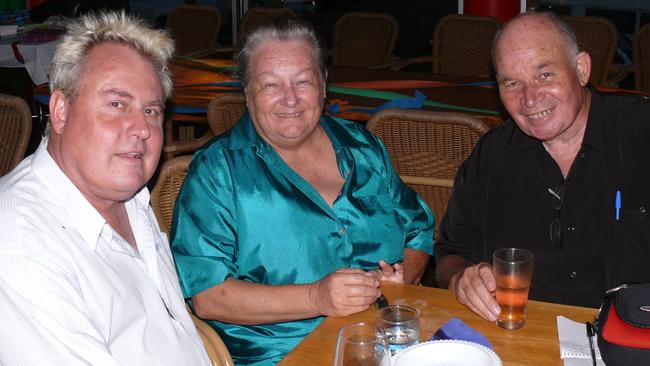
394 273
474 287
344 292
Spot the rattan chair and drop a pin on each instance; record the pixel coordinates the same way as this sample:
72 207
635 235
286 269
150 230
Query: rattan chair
163 195
216 349
642 59
427 148
195 28
599 38
364 40
461 46
163 199
224 111
260 16
184 142
15 129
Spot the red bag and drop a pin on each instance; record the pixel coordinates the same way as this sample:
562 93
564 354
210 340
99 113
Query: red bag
623 325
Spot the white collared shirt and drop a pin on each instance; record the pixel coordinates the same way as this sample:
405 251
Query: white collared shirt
72 291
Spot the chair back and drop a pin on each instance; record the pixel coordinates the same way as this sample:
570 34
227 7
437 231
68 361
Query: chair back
462 45
642 59
364 39
194 27
427 148
214 346
15 129
224 111
163 195
259 16
599 38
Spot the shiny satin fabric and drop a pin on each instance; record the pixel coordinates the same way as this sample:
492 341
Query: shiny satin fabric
243 213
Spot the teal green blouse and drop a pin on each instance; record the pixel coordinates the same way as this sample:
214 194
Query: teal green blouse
243 213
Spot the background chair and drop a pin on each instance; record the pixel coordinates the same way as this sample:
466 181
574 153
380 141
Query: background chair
216 349
427 148
599 38
163 195
15 128
195 28
364 40
224 111
184 141
642 59
461 46
259 16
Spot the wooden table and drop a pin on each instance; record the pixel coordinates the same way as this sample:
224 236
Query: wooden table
534 344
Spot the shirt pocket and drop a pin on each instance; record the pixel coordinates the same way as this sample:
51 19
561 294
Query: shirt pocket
630 245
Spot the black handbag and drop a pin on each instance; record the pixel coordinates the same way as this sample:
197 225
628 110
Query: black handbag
623 326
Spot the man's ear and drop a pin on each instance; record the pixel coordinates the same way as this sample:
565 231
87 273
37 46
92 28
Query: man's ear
583 67
59 107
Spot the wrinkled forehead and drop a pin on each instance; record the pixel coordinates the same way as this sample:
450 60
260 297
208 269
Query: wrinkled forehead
291 51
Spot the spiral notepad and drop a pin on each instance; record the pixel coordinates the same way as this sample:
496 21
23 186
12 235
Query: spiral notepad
574 345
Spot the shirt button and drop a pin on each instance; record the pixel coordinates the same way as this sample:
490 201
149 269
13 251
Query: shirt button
342 230
573 274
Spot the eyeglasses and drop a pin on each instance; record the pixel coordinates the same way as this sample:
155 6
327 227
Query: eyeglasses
555 230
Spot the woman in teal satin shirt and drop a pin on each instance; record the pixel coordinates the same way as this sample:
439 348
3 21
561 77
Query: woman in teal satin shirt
291 216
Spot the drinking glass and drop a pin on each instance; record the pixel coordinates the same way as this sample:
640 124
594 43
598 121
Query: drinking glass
401 323
361 344
513 270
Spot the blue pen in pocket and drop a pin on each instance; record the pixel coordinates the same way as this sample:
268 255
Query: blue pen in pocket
617 204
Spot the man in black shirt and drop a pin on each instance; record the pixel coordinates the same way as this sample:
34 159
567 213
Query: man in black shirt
546 180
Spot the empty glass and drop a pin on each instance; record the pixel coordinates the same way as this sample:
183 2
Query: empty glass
361 344
401 323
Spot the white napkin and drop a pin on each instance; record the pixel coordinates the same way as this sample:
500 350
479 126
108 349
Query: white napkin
574 345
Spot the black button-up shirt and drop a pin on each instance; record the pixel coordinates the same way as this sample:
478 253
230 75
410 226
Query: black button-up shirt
510 191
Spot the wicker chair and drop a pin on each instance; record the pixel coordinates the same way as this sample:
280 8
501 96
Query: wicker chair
259 16
427 148
642 59
195 28
461 46
216 349
163 195
364 40
224 111
15 129
599 38
163 199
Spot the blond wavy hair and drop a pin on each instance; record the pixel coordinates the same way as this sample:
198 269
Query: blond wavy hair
92 29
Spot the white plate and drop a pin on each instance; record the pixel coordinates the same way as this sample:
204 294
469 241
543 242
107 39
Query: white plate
447 353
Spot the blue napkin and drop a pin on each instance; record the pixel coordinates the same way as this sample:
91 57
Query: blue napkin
457 329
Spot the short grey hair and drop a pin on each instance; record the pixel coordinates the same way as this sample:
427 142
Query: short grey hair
286 28
93 29
562 28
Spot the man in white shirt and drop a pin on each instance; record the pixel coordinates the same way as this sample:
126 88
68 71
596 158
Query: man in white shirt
86 276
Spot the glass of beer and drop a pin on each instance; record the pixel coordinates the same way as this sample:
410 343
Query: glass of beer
513 270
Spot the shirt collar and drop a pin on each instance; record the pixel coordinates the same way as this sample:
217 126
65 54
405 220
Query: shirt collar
85 218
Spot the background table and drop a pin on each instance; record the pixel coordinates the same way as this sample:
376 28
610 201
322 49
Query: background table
197 82
37 58
534 344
